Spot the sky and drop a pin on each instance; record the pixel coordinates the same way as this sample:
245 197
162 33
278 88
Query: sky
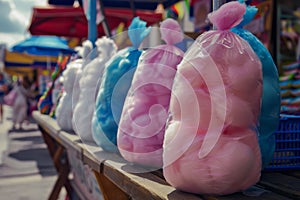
15 16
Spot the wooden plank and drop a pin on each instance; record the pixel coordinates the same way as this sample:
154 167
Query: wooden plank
253 193
70 141
282 184
49 124
55 153
88 158
293 173
52 148
162 190
91 161
109 189
267 195
139 184
94 156
49 142
60 182
142 185
264 194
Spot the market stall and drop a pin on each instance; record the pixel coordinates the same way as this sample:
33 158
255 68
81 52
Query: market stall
36 57
20 64
171 123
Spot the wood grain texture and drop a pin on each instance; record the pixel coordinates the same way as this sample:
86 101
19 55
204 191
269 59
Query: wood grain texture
283 184
109 189
119 179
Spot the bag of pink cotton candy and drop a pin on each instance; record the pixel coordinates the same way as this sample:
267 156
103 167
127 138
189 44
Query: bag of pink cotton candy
211 144
145 112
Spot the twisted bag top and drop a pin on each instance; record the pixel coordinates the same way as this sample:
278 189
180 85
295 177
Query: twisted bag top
115 83
270 108
211 144
145 112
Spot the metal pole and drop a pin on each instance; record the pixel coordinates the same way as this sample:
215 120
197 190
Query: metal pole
104 21
132 8
216 5
92 26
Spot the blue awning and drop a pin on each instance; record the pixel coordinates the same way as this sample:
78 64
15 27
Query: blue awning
43 45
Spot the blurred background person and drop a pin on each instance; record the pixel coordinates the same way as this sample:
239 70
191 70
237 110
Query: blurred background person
20 106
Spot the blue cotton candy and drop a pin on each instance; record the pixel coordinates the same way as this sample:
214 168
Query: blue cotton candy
114 86
137 31
270 107
248 16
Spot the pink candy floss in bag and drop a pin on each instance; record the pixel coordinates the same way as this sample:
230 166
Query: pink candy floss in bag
145 112
211 144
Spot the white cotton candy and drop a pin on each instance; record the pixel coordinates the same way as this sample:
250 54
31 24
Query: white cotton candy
88 84
64 110
85 53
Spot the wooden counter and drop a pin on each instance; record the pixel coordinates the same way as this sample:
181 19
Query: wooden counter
111 175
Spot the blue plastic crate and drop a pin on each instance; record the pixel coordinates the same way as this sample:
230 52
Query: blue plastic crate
287 151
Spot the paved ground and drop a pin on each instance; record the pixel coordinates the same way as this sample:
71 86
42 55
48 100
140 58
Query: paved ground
26 170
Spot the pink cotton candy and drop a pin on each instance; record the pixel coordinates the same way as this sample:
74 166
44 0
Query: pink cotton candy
228 16
239 112
211 144
171 32
230 167
145 112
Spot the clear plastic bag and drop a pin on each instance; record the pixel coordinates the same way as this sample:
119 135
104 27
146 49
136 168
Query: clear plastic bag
145 112
64 111
270 108
90 77
211 144
110 97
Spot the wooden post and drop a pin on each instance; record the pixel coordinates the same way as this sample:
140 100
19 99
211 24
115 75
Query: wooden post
109 190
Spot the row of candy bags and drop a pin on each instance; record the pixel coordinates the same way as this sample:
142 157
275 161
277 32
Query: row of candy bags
206 116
